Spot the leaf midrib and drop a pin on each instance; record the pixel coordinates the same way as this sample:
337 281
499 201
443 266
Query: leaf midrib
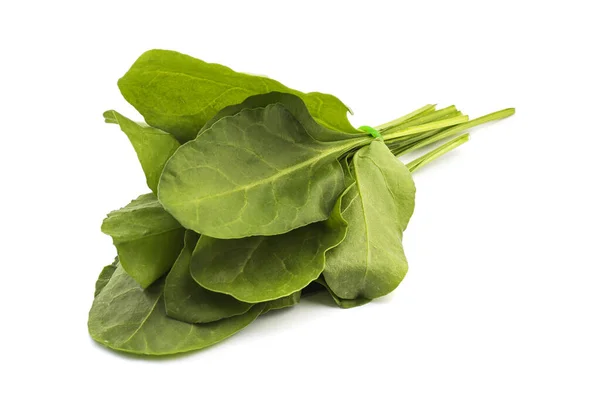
364 213
143 322
279 174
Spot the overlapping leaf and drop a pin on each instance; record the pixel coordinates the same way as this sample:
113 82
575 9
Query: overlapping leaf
282 302
261 268
147 238
340 302
152 146
126 317
179 94
187 301
294 105
370 262
105 276
259 172
287 195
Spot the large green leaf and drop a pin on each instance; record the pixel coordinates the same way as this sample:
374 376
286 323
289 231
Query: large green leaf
126 317
370 262
105 276
179 94
152 146
262 268
187 301
259 172
147 238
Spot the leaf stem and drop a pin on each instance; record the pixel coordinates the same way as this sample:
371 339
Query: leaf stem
408 117
440 114
437 152
403 132
446 133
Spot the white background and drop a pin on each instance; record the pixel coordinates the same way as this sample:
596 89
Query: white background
503 293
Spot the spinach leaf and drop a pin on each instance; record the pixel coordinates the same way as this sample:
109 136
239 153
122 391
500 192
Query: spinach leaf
153 147
259 172
343 303
147 238
283 302
105 276
179 94
262 268
187 301
294 105
127 318
370 262
346 163
288 198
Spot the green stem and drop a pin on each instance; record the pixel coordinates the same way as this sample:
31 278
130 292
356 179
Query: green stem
402 143
403 132
440 114
408 117
446 133
436 153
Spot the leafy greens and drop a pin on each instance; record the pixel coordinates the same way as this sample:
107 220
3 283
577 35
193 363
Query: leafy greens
260 195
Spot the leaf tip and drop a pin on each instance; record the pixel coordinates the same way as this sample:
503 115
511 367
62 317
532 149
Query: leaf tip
110 117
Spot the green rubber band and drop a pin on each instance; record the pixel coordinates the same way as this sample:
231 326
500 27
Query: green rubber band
370 130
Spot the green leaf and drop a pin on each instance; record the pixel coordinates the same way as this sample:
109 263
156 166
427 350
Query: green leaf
179 94
187 301
343 303
105 276
346 162
370 262
262 268
283 302
147 238
259 172
294 105
153 147
127 318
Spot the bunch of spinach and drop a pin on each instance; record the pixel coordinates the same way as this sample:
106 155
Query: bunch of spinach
259 194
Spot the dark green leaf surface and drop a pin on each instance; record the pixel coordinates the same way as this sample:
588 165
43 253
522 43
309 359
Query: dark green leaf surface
346 162
256 173
261 194
105 276
262 268
294 105
147 238
152 146
370 262
179 94
187 301
127 318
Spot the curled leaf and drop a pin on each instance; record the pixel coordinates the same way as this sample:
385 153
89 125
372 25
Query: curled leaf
370 262
147 238
263 268
152 146
187 301
179 94
127 318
